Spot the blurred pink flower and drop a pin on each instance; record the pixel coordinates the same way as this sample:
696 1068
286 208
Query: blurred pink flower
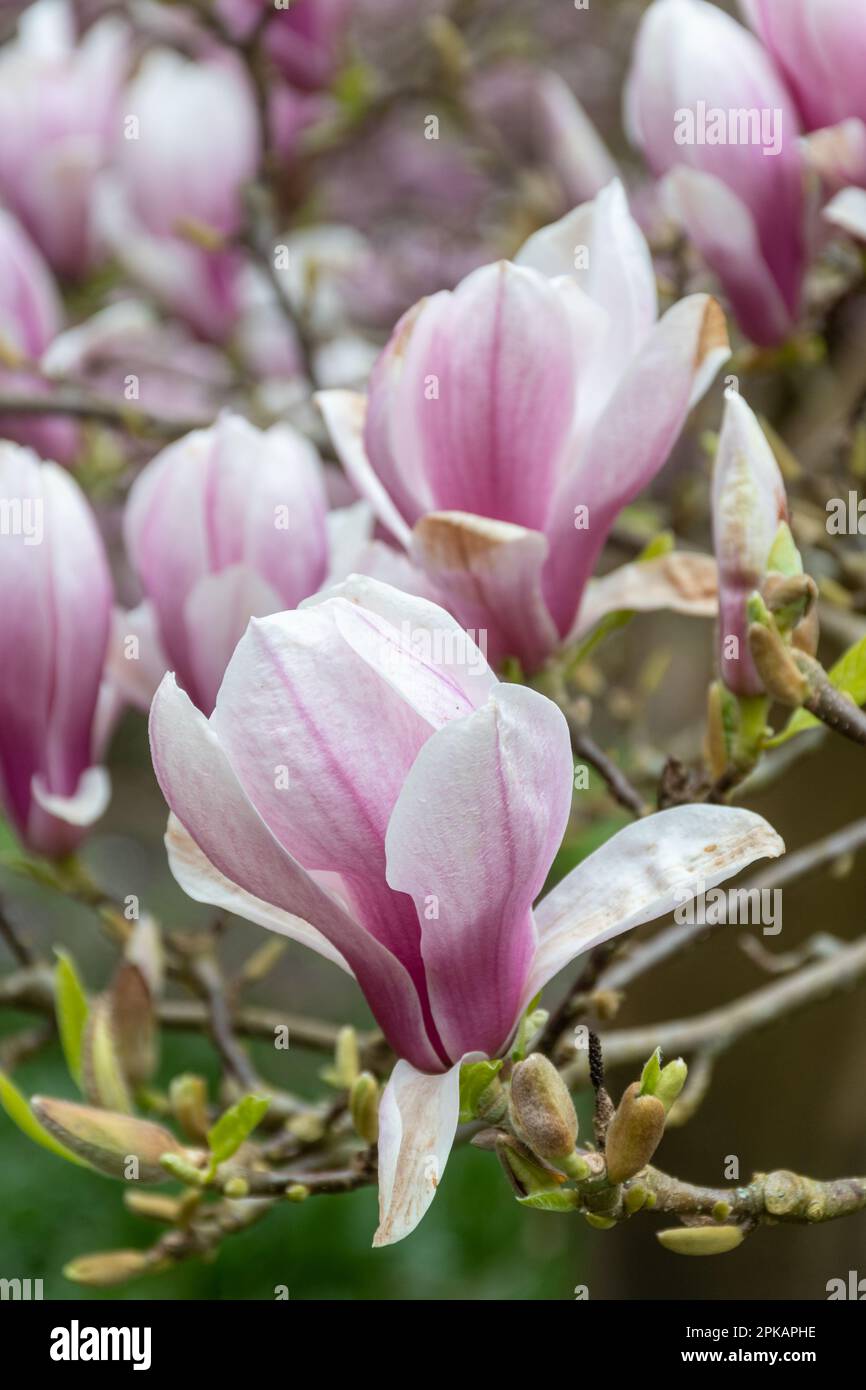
53 638
749 503
707 108
226 524
509 422
366 787
303 37
190 141
59 115
31 316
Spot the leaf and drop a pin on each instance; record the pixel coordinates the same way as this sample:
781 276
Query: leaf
848 674
557 1199
475 1077
19 1112
102 1070
532 1022
236 1125
649 1077
71 1007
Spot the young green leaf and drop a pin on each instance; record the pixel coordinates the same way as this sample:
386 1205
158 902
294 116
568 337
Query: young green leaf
848 674
236 1125
19 1112
70 1003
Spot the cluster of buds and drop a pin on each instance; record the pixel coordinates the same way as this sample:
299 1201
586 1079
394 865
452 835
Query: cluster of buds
768 620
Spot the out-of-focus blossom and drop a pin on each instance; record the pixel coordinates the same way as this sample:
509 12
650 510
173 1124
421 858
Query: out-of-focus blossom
709 111
53 638
542 122
749 504
820 47
509 422
367 787
226 524
31 315
59 117
304 38
188 146
126 353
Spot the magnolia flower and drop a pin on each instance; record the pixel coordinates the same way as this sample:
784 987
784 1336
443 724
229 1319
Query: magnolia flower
31 316
53 636
707 108
189 144
59 113
509 422
303 38
226 524
820 47
749 504
367 787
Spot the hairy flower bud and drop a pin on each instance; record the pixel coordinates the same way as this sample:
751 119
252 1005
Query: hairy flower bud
105 1270
634 1133
701 1240
364 1106
108 1141
542 1111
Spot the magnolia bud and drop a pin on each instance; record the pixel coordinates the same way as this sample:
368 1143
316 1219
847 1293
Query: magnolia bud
671 1081
634 1134
701 1240
542 1111
364 1107
782 679
108 1141
526 1175
188 1095
103 1079
105 1270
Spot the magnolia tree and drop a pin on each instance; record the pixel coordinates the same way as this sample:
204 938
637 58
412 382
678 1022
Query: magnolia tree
355 397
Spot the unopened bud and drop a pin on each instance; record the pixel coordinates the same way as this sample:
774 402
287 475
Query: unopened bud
671 1081
701 1240
347 1062
779 673
364 1107
542 1110
106 1270
103 1078
188 1095
634 1134
522 1168
789 598
133 1024
108 1141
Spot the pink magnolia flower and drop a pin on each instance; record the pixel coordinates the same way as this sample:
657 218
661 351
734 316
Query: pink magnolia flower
367 787
31 316
509 421
303 38
749 504
53 635
59 113
226 524
189 144
820 48
707 108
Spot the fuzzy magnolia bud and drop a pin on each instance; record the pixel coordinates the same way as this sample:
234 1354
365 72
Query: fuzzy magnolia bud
103 1271
526 1175
364 1107
542 1111
701 1240
781 677
671 1081
634 1134
118 1145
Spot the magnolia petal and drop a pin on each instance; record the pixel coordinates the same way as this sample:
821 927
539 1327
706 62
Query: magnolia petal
135 661
848 211
681 581
489 573
417 1122
344 414
87 804
631 441
202 789
838 153
641 873
216 613
724 231
474 832
204 883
